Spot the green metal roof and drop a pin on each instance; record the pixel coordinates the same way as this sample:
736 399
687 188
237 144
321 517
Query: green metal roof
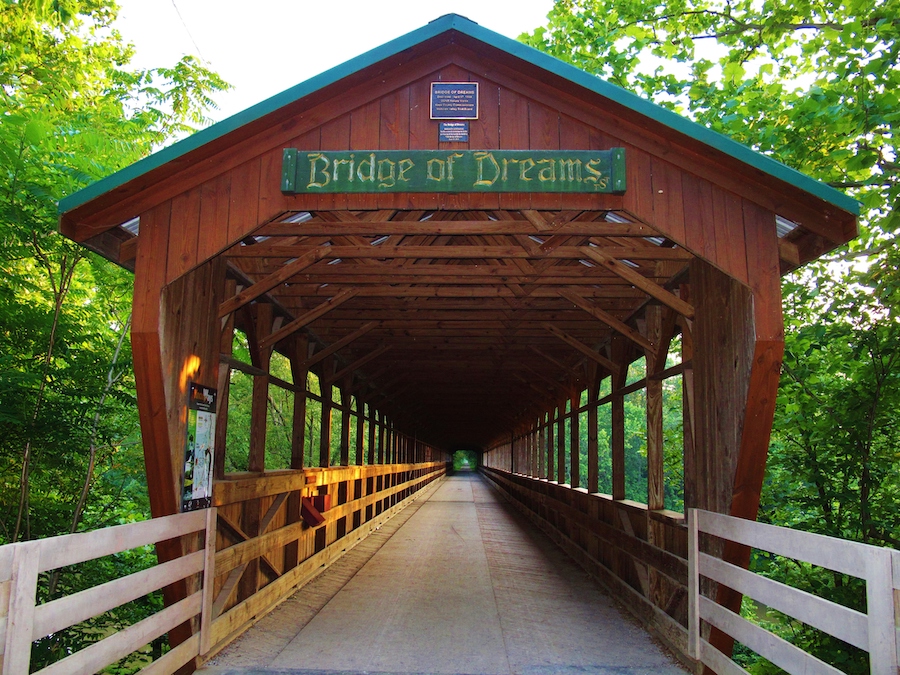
529 54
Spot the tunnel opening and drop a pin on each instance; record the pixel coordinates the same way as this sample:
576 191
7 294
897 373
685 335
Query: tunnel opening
465 460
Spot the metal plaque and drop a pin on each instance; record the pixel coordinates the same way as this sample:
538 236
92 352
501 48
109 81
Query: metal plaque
454 100
453 132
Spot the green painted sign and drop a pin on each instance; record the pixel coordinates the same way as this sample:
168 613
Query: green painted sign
313 172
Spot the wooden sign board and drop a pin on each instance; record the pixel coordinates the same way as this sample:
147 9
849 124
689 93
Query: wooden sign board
380 171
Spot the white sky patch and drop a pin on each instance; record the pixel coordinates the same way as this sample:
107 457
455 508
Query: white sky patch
265 47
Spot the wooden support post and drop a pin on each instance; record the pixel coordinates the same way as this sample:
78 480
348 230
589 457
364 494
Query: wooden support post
346 416
260 399
325 432
593 477
360 431
298 442
575 442
381 437
561 444
531 439
655 478
618 419
372 428
226 347
541 445
551 446
299 374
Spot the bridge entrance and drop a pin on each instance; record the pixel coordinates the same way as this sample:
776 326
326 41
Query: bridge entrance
354 296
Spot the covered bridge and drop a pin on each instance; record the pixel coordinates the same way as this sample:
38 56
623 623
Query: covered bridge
455 242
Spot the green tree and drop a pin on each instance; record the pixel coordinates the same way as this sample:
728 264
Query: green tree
71 112
814 85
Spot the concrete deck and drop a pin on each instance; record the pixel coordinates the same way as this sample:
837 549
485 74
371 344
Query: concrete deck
457 583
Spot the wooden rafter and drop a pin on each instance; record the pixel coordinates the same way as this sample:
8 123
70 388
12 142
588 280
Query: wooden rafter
608 319
307 318
639 280
264 285
359 363
340 344
583 348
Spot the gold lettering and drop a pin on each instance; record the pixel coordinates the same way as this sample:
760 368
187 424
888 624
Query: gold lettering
366 175
480 157
570 169
506 163
429 174
386 178
405 165
337 164
525 165
548 173
314 157
450 158
595 174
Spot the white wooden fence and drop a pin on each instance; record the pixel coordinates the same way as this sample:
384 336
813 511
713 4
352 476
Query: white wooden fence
22 621
875 631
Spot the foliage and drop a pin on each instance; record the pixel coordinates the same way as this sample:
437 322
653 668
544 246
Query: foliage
465 460
72 112
814 85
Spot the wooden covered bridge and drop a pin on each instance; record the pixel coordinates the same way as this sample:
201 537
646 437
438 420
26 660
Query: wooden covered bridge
454 242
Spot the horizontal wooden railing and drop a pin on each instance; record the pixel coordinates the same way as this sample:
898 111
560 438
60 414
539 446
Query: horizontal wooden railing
364 498
875 631
22 621
266 550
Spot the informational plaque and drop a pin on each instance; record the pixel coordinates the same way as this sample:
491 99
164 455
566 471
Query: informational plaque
199 448
453 132
454 100
380 171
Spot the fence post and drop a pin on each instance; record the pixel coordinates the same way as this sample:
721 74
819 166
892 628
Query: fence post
693 585
22 597
880 608
895 592
209 578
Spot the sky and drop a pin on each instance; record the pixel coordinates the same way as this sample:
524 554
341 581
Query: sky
262 47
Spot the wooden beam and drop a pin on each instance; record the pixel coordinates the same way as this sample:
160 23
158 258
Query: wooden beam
558 364
359 363
585 228
340 344
536 219
500 250
583 348
271 281
308 318
128 250
558 386
608 319
640 281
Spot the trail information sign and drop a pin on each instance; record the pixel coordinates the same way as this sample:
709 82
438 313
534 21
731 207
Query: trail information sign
379 171
454 100
199 448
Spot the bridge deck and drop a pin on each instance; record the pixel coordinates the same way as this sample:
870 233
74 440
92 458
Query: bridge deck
457 583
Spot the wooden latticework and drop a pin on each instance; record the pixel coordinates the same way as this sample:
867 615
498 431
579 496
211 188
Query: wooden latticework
503 308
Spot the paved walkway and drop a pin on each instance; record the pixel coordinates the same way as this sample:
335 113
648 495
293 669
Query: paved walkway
460 583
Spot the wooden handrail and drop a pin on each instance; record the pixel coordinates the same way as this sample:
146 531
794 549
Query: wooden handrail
22 622
873 631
